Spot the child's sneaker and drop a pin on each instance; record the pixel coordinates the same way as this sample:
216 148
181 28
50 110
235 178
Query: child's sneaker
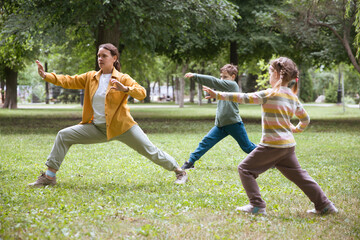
187 165
329 209
251 209
43 181
181 177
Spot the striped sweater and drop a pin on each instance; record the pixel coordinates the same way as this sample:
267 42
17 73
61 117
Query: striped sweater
277 110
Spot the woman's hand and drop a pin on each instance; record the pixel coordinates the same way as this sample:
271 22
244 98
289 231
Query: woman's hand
212 93
118 85
41 70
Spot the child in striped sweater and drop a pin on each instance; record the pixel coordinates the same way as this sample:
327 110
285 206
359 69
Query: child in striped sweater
277 146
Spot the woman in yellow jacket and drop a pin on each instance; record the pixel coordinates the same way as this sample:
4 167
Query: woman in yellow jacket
105 117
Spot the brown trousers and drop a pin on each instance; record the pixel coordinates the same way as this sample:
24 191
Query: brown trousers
262 158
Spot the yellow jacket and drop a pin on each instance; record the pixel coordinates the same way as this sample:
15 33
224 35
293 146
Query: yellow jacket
117 112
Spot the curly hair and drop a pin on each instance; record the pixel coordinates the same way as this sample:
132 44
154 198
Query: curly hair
230 69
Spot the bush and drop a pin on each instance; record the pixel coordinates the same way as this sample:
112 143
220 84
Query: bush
331 93
69 96
349 100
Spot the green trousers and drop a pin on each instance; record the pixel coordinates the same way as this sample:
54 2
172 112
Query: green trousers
91 133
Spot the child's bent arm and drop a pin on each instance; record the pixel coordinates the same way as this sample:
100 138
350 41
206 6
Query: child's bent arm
304 120
212 93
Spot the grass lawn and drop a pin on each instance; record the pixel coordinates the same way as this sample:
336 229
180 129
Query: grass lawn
108 191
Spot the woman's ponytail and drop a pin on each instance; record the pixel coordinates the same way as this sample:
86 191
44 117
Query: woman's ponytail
117 65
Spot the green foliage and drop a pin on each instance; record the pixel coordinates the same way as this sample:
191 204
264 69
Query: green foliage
326 80
256 32
353 4
263 79
317 29
108 191
306 85
331 93
321 80
16 41
351 80
73 57
201 29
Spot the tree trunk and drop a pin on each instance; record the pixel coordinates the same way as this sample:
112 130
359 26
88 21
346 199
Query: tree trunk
192 90
167 87
234 59
239 81
148 89
159 87
46 86
173 88
153 87
2 88
107 34
177 90
182 86
181 91
234 56
11 89
200 93
251 83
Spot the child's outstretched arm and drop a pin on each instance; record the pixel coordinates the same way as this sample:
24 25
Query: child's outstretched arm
213 82
244 98
189 75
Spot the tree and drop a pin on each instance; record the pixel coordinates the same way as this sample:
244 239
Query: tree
349 6
258 36
16 46
329 20
139 25
204 30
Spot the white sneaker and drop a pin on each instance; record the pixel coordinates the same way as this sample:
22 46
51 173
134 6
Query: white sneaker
181 177
330 208
251 209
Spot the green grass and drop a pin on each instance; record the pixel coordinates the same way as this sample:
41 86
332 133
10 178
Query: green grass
108 191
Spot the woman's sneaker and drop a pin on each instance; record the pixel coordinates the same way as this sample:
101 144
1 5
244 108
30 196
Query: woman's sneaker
251 209
329 209
43 181
181 177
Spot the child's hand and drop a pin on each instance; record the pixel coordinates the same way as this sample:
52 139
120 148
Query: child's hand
212 93
293 128
118 85
189 75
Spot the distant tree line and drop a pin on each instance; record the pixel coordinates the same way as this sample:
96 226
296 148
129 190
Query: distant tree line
161 40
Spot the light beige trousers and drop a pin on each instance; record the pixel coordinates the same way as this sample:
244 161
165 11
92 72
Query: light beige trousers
91 133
